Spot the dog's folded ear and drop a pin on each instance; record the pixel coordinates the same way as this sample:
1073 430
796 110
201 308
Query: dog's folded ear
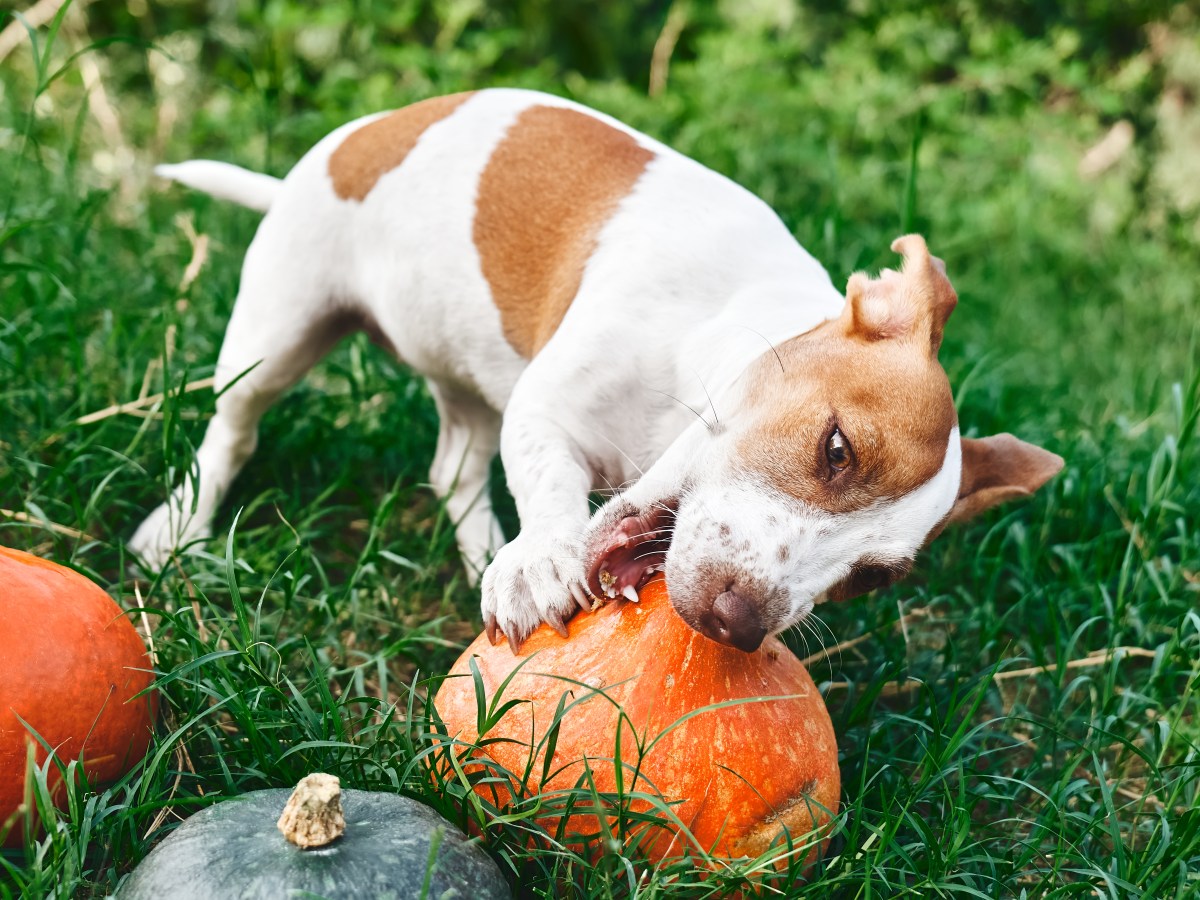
1000 468
913 303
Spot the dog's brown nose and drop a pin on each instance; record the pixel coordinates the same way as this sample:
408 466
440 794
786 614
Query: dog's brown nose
734 620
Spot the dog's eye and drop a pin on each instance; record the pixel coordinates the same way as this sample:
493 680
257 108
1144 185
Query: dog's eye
871 578
863 579
837 451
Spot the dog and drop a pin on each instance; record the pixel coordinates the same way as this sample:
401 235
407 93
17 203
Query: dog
605 312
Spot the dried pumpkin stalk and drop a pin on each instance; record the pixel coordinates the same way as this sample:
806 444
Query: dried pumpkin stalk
313 814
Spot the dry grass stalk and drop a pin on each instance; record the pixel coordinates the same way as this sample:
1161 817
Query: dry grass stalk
201 629
664 47
14 34
827 652
117 408
199 244
1095 658
18 516
182 760
146 631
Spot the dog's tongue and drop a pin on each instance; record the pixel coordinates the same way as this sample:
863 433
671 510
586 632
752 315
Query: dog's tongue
636 549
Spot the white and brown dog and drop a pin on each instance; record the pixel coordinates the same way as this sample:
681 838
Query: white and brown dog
605 311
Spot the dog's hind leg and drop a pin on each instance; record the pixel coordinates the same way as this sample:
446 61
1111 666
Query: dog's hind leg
468 439
280 327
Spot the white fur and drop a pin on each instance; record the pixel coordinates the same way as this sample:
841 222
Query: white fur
692 279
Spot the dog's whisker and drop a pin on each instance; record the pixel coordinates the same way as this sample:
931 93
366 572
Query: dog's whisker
769 343
711 405
695 412
604 437
811 622
646 555
653 532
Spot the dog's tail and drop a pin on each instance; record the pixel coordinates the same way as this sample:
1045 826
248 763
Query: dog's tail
227 182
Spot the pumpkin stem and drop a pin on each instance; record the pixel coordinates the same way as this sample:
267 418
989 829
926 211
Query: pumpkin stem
313 814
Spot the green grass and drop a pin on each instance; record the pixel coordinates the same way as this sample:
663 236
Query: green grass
979 757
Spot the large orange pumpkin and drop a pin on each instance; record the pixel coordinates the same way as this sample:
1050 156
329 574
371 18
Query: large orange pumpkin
743 772
70 662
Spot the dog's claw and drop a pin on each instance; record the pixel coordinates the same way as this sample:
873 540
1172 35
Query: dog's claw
515 641
489 627
554 620
581 598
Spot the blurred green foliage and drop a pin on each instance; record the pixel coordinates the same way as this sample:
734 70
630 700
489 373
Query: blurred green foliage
1049 150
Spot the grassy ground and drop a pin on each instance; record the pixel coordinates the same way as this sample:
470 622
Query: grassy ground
1022 717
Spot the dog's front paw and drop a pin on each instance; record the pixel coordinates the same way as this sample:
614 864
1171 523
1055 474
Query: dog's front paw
163 531
539 577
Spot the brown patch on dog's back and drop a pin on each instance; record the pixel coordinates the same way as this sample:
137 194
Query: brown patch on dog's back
370 152
551 184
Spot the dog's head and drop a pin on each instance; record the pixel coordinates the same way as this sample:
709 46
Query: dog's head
840 461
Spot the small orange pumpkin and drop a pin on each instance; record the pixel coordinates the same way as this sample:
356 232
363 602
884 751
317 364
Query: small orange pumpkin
743 772
70 664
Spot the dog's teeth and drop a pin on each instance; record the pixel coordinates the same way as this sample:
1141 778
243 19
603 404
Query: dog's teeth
611 592
650 570
630 593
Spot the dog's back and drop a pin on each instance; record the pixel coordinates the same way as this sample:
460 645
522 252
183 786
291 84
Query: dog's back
477 228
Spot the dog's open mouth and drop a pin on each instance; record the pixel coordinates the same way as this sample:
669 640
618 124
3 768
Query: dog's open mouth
633 553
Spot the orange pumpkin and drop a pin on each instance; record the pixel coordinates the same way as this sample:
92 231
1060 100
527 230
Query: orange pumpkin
70 662
743 772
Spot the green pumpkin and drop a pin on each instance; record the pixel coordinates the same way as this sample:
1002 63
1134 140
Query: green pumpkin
234 851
